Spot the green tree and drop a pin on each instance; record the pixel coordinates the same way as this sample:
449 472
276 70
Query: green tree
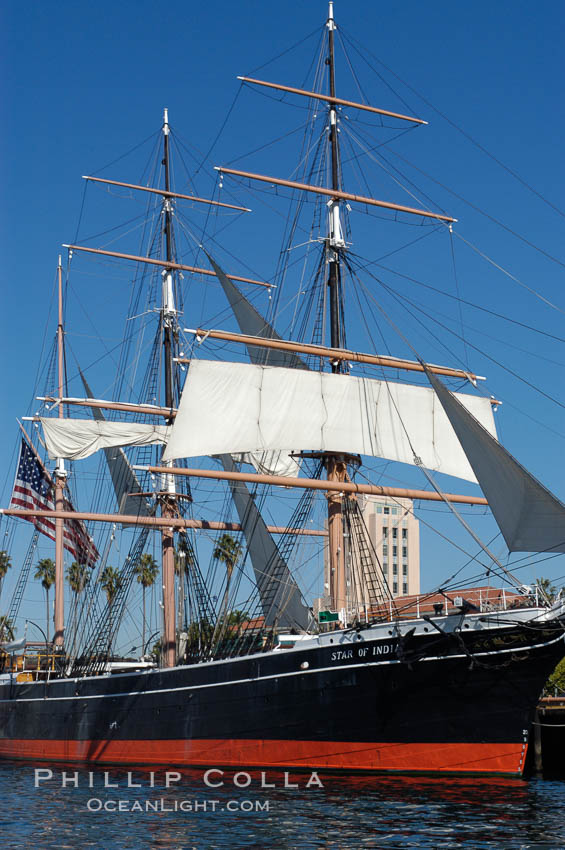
156 650
200 635
556 681
7 630
146 572
228 550
547 588
78 576
5 564
237 618
111 582
45 571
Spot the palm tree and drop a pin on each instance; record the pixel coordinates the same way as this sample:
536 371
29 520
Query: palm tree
228 550
111 582
5 564
146 572
237 618
7 630
78 576
45 571
548 590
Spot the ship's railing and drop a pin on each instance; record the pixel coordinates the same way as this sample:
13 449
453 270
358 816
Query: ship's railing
36 662
478 599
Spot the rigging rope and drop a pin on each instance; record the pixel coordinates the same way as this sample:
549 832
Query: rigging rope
476 208
455 126
509 274
445 327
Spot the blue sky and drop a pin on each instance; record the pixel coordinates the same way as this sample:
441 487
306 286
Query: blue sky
84 83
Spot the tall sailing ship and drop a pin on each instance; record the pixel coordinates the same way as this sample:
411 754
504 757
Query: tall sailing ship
360 679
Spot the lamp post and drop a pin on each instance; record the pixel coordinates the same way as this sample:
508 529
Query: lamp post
154 635
40 630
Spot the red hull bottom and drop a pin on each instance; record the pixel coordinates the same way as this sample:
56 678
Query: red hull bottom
497 758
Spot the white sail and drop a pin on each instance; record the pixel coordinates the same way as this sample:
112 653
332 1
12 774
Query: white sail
271 463
238 407
76 439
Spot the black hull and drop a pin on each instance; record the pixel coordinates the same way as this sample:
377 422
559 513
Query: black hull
440 702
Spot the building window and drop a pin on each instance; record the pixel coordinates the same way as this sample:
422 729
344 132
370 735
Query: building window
395 587
379 509
386 510
404 588
395 569
394 551
394 511
385 550
404 569
385 530
404 551
395 532
404 533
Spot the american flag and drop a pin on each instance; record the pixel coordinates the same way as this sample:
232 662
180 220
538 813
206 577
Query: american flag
33 490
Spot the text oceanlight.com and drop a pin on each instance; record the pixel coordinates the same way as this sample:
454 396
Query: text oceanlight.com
95 804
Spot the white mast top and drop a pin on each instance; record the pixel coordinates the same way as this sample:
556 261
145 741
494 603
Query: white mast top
331 24
165 121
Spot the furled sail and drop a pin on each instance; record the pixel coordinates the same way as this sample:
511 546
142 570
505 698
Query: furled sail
252 322
238 407
76 439
530 518
124 480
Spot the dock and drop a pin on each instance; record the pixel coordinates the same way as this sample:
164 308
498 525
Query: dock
548 736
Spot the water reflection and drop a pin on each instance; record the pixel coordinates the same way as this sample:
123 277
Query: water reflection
255 809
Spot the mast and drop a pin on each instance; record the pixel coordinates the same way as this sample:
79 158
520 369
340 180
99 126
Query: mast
168 481
336 466
60 481
168 297
335 238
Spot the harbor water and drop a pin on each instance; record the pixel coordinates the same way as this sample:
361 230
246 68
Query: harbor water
62 806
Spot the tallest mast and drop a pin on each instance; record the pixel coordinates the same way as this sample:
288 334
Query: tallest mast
336 465
335 236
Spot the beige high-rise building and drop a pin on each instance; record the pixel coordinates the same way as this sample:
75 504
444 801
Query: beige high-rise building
395 535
